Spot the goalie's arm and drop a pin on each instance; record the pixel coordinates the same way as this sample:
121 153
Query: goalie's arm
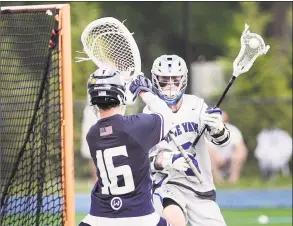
141 87
155 104
158 106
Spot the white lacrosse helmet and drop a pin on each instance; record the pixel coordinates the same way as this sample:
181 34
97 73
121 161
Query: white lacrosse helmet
169 78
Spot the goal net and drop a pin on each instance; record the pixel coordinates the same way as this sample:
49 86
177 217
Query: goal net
36 154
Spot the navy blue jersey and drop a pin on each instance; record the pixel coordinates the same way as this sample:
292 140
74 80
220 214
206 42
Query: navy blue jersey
119 146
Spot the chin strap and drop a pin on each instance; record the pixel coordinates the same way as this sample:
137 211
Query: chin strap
171 102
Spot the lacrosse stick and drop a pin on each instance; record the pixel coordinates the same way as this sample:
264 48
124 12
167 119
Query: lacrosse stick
109 43
186 157
252 46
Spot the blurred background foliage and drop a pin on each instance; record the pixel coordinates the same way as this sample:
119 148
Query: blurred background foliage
205 31
201 31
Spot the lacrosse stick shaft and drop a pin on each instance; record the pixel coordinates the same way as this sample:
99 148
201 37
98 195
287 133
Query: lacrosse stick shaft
188 160
217 105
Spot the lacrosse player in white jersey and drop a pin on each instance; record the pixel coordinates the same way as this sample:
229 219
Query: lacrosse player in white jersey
178 194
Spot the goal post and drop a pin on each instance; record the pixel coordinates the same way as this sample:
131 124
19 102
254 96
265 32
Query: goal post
36 108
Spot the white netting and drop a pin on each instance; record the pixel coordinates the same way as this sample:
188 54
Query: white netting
252 46
108 42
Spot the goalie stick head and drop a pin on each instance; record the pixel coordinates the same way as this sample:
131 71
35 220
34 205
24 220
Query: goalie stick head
109 43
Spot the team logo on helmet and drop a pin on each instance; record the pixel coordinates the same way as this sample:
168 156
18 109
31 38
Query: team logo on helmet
93 81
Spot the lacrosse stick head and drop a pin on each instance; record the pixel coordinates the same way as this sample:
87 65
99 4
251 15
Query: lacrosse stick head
252 46
108 43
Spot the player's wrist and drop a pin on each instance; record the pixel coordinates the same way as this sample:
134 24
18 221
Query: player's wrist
222 138
163 159
141 93
216 132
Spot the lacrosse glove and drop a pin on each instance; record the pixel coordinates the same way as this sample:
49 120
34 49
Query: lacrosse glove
140 83
176 161
212 118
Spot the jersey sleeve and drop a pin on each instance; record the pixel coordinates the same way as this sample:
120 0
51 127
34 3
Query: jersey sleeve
155 105
149 130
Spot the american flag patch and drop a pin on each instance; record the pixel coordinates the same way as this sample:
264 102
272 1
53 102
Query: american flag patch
104 131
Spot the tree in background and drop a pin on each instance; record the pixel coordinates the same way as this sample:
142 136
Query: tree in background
214 30
159 27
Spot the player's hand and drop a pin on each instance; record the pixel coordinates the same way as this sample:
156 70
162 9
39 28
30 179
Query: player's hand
176 161
213 119
140 83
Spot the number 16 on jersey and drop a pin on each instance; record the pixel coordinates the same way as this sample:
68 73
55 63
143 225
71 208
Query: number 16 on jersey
109 173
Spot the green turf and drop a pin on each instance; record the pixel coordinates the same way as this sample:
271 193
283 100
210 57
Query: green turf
282 217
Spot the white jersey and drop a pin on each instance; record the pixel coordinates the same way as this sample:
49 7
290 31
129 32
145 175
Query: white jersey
188 123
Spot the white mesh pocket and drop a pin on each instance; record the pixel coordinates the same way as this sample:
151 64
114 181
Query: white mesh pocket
109 43
252 45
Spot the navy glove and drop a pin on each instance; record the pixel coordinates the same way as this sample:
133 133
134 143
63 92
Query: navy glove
140 83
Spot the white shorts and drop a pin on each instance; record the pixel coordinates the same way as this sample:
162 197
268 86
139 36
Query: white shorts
197 211
148 220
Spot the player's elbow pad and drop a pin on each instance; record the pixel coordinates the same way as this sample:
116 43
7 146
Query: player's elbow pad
222 138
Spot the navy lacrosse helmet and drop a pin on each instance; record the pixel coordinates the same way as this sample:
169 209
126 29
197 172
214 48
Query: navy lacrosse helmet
106 86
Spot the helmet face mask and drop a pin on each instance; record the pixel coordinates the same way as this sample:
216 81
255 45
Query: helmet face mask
169 78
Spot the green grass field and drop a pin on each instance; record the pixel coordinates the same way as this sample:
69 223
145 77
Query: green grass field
282 217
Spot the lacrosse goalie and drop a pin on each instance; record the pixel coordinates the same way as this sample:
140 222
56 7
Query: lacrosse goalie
119 146
178 195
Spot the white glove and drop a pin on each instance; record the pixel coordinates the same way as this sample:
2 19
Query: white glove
213 119
174 160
